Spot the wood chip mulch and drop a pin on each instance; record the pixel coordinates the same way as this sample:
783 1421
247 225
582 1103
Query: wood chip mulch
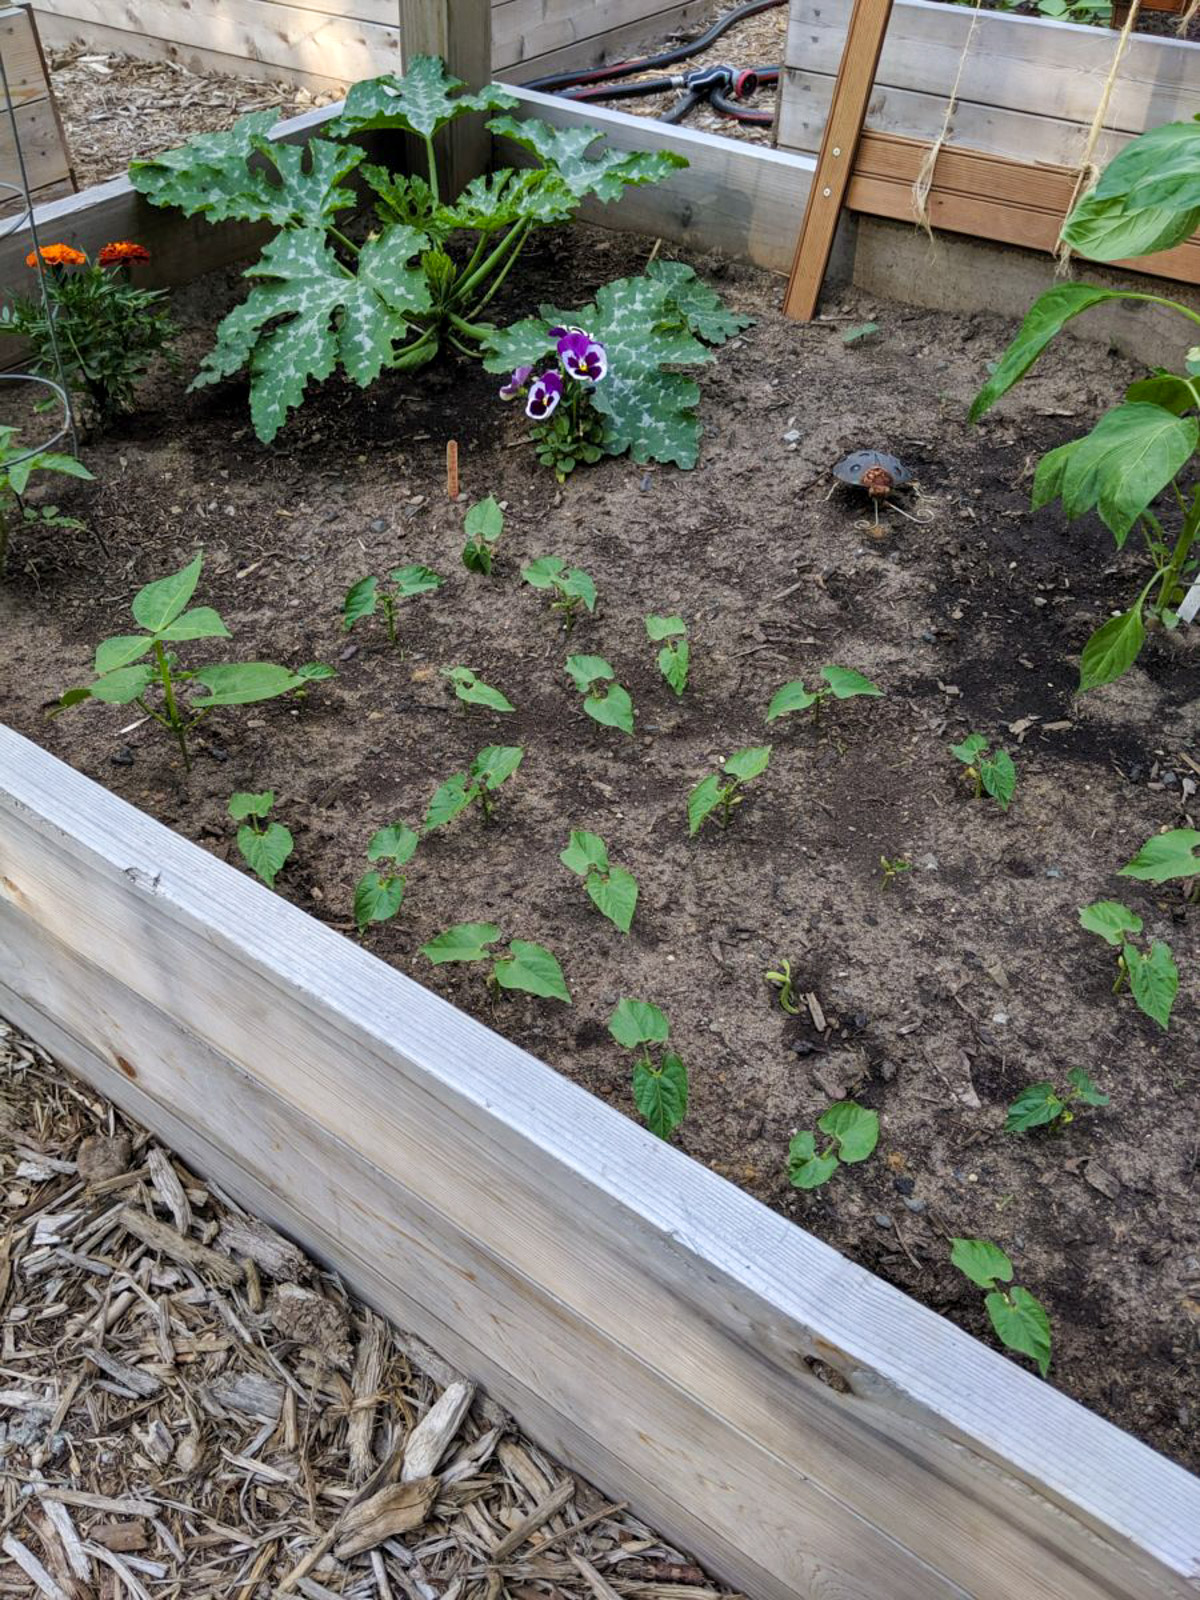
191 1409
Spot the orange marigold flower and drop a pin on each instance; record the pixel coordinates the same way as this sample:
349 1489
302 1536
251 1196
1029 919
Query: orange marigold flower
57 255
122 250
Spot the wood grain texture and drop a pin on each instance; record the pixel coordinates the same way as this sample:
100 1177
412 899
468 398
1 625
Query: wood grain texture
22 59
45 154
652 1324
523 30
459 32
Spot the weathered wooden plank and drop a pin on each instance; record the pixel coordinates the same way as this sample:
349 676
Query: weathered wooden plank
42 147
459 32
22 59
370 1116
522 53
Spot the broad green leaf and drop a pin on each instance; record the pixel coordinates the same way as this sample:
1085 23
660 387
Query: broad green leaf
1110 919
1123 465
613 709
310 191
1165 389
659 628
243 683
465 941
532 968
807 1169
122 687
1045 318
981 1261
578 585
999 777
792 697
1167 855
377 898
425 99
414 580
1085 1089
361 601
1112 649
1021 1324
498 199
162 601
661 1095
474 692
449 799
120 651
673 662
703 800
404 198
846 683
1154 979
209 175
315 672
245 805
565 150
20 472
699 306
395 843
969 749
749 763
484 520
494 764
201 622
1147 199
854 1127
637 1022
586 670
477 558
585 851
614 895
544 572
1034 1107
265 853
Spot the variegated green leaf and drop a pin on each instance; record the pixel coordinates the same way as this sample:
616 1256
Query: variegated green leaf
421 102
605 173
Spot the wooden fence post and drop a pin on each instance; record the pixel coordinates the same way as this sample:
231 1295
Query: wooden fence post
460 32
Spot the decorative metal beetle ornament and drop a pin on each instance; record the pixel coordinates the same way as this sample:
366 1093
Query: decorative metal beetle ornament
875 472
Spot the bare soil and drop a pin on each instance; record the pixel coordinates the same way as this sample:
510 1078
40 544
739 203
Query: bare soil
941 996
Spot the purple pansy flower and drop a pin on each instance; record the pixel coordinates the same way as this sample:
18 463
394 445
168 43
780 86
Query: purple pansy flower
544 394
516 383
583 357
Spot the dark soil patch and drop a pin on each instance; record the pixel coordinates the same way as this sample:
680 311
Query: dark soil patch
944 994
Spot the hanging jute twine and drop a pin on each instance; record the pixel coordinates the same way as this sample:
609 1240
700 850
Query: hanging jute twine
924 179
1087 173
1188 17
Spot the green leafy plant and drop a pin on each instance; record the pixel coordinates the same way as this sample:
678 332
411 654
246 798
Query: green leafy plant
674 657
994 774
604 700
567 428
1169 855
1019 1319
851 1134
570 586
368 595
612 890
721 791
423 277
782 981
18 463
483 525
379 893
124 677
106 332
1041 1105
1152 975
527 966
660 1090
492 767
841 682
1145 201
265 845
893 867
472 691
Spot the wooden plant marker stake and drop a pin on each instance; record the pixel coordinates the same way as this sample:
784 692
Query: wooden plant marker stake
452 469
852 92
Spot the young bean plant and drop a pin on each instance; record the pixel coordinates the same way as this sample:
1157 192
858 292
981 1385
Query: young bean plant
527 966
570 586
604 700
369 595
379 893
612 890
493 766
994 774
721 791
1041 1105
1152 975
124 677
841 682
472 691
660 1091
674 657
1168 856
1019 1319
18 463
892 868
781 980
265 845
483 525
851 1134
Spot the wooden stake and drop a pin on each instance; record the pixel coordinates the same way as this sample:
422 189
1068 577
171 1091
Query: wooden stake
460 32
452 469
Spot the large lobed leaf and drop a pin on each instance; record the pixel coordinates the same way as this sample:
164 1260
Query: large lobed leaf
606 173
1147 199
425 99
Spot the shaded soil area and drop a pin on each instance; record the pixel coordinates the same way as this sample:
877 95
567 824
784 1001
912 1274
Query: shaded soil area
938 998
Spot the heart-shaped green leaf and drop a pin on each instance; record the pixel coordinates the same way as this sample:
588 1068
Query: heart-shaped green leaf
162 601
637 1022
533 969
1154 980
265 853
855 1128
807 1169
614 895
377 898
465 941
1110 919
1021 1324
981 1261
1174 854
661 1094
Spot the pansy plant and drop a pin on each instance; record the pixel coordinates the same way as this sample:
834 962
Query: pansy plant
567 429
492 767
571 587
721 791
369 595
660 1088
526 966
604 700
674 657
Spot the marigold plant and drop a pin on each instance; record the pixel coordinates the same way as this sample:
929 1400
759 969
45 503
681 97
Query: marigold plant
56 255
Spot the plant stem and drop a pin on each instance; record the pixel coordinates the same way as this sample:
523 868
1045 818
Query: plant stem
348 244
432 160
507 268
172 705
1179 555
389 611
511 242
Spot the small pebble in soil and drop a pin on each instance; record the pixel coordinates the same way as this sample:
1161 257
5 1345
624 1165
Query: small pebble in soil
916 1206
122 757
792 436
882 1220
379 525
1054 872
904 1185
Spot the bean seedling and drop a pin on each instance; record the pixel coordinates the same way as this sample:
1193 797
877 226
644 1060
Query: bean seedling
851 1133
893 868
124 678
782 981
368 595
1152 975
1168 855
264 845
711 793
493 766
527 966
674 656
483 525
1040 1105
1019 1319
841 682
472 691
613 708
18 463
993 773
571 586
379 894
612 890
659 1092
